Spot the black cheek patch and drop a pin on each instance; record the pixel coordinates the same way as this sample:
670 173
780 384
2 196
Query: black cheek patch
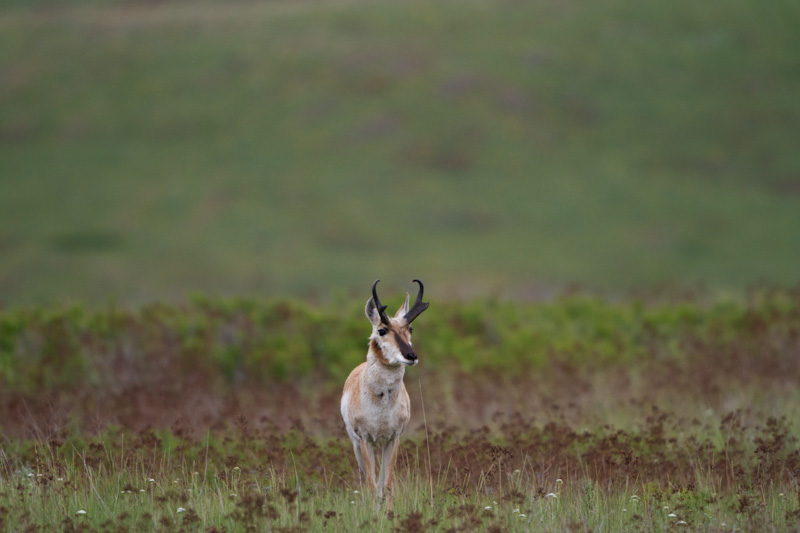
402 344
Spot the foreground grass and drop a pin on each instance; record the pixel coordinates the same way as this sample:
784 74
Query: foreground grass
292 482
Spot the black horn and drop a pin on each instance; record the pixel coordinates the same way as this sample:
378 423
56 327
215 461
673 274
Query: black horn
419 306
381 308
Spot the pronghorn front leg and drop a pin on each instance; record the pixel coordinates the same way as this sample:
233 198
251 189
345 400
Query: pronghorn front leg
386 478
359 456
368 459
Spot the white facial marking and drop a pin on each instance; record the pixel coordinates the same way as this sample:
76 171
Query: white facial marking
390 342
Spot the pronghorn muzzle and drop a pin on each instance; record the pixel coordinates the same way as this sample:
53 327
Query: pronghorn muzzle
405 349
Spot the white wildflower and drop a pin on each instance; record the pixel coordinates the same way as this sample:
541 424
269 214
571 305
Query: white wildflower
552 495
80 512
672 515
487 508
181 510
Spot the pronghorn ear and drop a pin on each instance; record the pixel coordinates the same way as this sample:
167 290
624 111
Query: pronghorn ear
372 312
403 311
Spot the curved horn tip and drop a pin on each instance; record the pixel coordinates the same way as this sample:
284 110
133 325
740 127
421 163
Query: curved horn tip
419 306
381 308
421 288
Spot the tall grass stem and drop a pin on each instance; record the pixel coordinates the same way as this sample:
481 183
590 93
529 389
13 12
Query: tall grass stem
427 440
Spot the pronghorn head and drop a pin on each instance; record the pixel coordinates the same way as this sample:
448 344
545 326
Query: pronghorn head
391 337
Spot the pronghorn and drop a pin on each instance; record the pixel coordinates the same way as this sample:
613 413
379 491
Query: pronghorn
375 404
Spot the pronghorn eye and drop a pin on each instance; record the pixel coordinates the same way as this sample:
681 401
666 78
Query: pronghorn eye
382 332
410 329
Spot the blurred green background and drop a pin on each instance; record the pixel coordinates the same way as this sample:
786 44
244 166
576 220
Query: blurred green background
153 149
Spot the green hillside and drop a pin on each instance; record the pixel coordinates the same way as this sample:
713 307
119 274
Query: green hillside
154 149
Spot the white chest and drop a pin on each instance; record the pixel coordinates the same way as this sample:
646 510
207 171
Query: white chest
384 412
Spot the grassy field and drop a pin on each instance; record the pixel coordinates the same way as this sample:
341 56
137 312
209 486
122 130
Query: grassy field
278 156
153 149
579 414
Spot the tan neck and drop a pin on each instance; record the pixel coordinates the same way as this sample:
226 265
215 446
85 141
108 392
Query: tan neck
378 370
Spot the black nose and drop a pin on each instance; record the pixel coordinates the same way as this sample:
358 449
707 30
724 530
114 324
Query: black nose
411 356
